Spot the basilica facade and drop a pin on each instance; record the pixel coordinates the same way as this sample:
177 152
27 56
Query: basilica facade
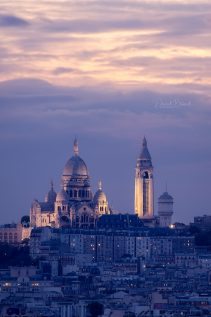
75 204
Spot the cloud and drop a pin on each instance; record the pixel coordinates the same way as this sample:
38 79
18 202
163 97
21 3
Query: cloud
170 23
25 87
139 43
63 70
38 100
12 21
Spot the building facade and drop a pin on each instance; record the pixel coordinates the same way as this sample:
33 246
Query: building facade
154 245
14 233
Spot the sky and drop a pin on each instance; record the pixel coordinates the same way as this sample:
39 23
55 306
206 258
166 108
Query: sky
110 73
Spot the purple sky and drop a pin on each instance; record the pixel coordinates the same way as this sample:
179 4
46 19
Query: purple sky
108 73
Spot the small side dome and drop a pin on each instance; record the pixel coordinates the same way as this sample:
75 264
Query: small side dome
99 196
62 197
165 196
51 195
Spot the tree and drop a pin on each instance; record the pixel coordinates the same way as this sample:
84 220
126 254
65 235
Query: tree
194 230
129 314
203 238
95 309
25 221
11 255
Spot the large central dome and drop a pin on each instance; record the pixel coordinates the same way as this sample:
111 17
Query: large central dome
75 178
75 166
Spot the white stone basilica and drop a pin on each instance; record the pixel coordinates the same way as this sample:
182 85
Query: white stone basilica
74 205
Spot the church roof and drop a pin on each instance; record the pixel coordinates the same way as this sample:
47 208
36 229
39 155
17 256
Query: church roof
119 221
75 166
46 206
165 196
145 155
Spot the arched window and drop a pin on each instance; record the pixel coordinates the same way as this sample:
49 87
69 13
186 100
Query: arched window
10 237
84 218
146 175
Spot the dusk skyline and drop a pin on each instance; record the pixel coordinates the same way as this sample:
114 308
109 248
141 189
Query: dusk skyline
109 73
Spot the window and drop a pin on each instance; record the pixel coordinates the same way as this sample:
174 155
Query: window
146 175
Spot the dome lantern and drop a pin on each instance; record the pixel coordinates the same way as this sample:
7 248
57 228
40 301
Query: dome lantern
75 147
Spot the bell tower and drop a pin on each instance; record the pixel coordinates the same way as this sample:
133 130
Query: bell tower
144 186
